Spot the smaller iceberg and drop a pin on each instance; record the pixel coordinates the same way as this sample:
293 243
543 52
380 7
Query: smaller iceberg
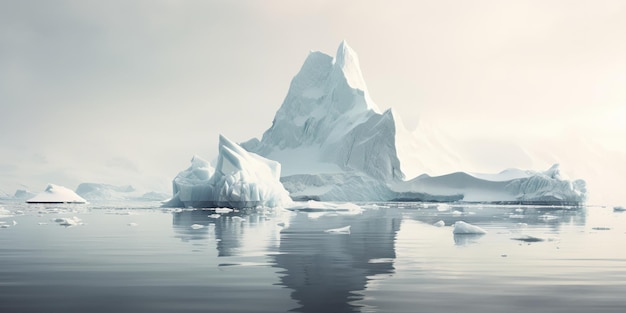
463 228
241 179
56 194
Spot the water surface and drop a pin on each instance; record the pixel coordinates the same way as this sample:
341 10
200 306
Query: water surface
137 257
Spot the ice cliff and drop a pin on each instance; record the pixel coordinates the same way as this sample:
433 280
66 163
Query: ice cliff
240 179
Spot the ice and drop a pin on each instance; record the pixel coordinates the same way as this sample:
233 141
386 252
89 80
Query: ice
341 230
5 213
23 194
68 221
616 209
56 194
196 226
528 239
240 179
327 126
223 210
97 191
326 207
132 224
440 223
214 215
462 227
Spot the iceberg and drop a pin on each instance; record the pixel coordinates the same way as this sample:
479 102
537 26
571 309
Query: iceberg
97 191
240 179
334 144
463 228
108 192
56 194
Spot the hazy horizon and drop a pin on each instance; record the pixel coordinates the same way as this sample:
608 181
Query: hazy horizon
126 92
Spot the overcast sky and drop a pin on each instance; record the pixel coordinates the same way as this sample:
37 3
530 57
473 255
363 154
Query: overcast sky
115 91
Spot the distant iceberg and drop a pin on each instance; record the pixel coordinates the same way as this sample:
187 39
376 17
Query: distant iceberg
241 179
56 194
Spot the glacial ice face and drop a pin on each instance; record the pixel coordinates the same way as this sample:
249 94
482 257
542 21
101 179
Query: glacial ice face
240 179
56 194
328 107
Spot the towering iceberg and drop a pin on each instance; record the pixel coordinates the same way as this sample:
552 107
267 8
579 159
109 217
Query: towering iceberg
329 114
334 144
240 179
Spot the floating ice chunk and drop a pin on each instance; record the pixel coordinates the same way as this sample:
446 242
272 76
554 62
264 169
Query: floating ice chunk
42 223
4 212
521 225
441 207
132 224
461 227
197 226
214 215
223 210
237 218
14 223
68 221
440 224
341 230
528 239
457 213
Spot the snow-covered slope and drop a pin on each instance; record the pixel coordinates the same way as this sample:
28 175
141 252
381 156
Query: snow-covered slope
56 194
240 179
335 144
328 113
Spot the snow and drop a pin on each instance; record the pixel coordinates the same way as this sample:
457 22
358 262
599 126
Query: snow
196 226
56 194
240 179
463 228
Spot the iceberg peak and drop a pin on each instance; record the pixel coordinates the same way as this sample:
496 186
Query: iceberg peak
347 61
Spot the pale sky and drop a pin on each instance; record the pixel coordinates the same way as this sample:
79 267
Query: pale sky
125 92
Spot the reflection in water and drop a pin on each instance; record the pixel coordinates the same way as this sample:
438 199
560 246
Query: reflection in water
330 272
228 229
324 270
553 217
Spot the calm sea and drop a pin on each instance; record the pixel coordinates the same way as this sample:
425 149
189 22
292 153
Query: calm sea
137 257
